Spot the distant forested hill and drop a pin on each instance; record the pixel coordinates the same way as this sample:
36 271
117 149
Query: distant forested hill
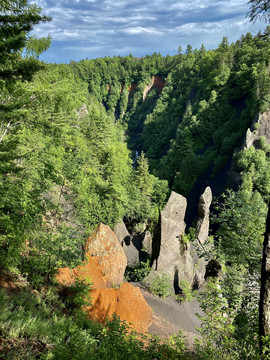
199 118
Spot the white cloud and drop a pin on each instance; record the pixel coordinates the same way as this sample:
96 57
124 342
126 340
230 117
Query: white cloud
142 30
114 27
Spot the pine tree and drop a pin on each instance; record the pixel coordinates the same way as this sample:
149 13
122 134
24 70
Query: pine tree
260 10
143 179
17 19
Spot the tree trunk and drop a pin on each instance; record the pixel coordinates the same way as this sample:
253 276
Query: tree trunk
264 305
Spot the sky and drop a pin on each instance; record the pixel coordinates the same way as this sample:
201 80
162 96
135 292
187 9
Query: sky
90 29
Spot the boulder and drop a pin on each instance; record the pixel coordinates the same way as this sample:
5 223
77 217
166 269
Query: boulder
203 212
127 302
88 270
104 264
105 248
105 261
133 308
131 245
122 233
104 303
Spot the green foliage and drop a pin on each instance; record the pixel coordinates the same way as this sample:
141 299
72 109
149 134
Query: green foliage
17 19
218 331
118 342
255 164
37 325
63 171
265 346
190 236
77 296
138 273
143 177
259 10
241 227
208 95
160 285
187 294
238 244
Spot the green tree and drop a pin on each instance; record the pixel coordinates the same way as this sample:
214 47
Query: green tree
143 178
17 212
17 19
259 10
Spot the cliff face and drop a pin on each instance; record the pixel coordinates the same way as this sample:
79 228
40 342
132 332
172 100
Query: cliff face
132 88
156 83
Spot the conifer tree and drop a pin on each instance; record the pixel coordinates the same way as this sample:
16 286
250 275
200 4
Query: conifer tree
260 10
17 19
143 179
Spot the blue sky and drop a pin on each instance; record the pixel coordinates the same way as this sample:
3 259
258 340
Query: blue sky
96 28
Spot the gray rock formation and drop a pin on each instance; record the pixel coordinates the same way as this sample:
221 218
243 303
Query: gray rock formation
147 243
170 254
168 232
263 121
122 233
131 245
203 212
83 112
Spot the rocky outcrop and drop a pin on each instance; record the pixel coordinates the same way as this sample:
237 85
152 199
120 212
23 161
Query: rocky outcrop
83 112
147 243
131 248
203 212
104 264
263 124
156 83
137 247
167 234
105 248
89 270
122 233
105 260
171 255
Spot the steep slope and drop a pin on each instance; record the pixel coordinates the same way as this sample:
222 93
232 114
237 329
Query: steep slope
187 113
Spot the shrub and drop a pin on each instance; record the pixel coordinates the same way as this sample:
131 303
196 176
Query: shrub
138 273
160 285
186 292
